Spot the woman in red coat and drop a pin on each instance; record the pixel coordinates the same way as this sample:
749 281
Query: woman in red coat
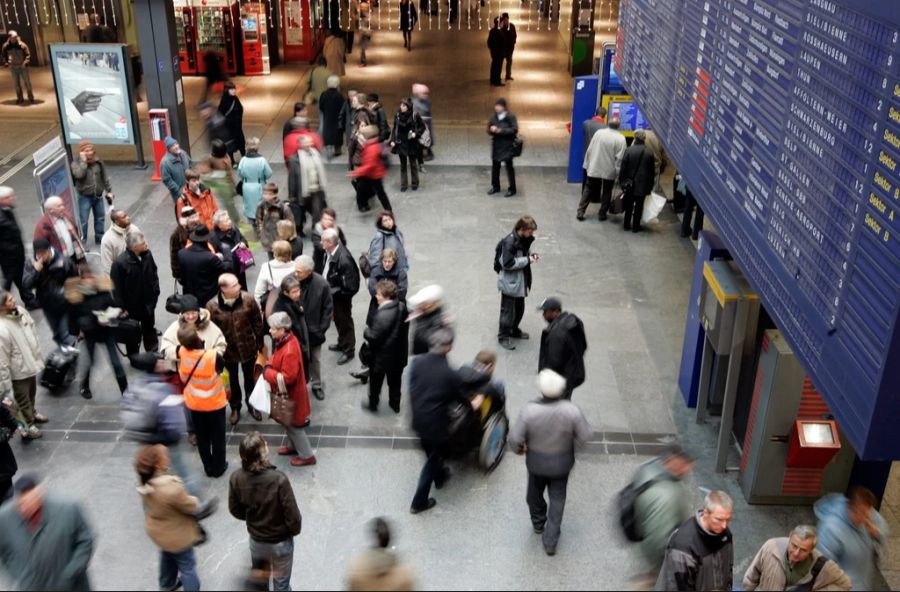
370 173
287 360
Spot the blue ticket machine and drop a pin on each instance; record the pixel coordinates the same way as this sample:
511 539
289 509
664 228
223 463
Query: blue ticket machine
584 105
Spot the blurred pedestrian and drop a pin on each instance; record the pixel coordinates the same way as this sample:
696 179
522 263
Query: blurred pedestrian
563 344
334 50
287 232
312 181
226 238
8 465
388 339
214 73
602 162
365 32
198 196
199 318
792 563
328 220
331 104
548 431
200 268
113 243
15 54
173 167
503 128
20 362
428 316
219 175
214 124
497 50
12 249
93 188
636 178
57 226
379 568
409 16
405 136
422 104
269 212
46 274
271 274
188 221
513 266
299 127
254 171
373 104
851 532
232 111
318 308
700 553
359 116
300 110
136 289
508 31
342 275
369 175
46 542
262 496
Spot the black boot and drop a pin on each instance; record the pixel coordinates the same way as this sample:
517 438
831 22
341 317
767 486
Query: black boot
123 384
86 388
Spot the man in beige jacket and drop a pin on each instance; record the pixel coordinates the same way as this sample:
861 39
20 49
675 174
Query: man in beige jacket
788 563
20 362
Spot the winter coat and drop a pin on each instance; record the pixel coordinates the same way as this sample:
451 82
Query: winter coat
294 310
433 387
169 513
172 168
224 242
209 332
551 429
113 244
46 228
767 572
409 16
396 275
379 569
502 140
371 166
49 281
318 307
563 344
406 124
291 142
849 545
233 111
495 43
388 337
241 324
85 306
384 131
334 51
267 216
177 241
603 156
160 398
204 202
254 171
388 239
514 278
638 166
355 142
287 359
265 500
90 179
342 273
509 39
54 556
331 104
697 560
589 127
15 54
424 326
269 278
662 508
319 250
307 160
20 350
12 247
8 465
136 284
200 271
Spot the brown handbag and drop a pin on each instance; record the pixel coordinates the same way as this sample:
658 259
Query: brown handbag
283 406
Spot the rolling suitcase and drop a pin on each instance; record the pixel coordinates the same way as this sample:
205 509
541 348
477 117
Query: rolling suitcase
59 369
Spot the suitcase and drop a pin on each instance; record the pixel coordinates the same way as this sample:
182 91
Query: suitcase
59 369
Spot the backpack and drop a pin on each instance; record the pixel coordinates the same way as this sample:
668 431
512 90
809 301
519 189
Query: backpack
625 502
498 253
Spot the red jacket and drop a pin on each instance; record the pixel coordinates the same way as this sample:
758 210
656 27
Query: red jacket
46 229
292 141
371 166
288 360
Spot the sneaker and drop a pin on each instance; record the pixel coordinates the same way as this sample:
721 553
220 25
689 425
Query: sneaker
428 505
31 433
40 418
299 461
286 451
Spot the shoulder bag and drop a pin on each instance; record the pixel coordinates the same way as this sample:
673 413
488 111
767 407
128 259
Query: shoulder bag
173 302
283 406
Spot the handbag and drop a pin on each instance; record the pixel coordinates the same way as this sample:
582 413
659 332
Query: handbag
617 203
244 257
364 267
283 406
125 331
518 145
365 354
173 302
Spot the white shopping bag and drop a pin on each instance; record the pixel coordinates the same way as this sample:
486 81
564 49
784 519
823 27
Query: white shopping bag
653 205
261 397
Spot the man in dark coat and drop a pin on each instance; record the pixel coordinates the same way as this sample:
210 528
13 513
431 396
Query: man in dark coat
331 105
200 268
384 130
388 339
342 274
12 248
496 47
46 274
509 42
318 308
216 129
136 288
636 178
503 129
8 465
513 266
563 344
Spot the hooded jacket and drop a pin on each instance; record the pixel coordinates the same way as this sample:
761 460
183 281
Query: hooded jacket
169 513
563 344
209 332
697 560
20 352
849 545
387 239
379 569
113 244
551 429
767 572
662 508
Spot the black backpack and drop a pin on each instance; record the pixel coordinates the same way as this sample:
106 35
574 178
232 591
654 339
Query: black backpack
625 503
498 252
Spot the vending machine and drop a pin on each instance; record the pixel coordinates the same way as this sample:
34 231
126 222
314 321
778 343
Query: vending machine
255 39
216 32
186 34
302 32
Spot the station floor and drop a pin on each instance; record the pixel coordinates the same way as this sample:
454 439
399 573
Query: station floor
630 290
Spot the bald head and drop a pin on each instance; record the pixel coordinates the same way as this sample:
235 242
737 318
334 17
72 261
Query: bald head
229 285
55 206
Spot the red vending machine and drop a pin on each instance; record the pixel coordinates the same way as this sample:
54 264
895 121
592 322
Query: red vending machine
216 23
186 33
255 38
301 30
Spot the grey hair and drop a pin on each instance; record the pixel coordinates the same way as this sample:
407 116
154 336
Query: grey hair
330 235
217 217
6 191
440 340
279 320
805 532
132 239
718 499
305 262
333 81
289 282
53 199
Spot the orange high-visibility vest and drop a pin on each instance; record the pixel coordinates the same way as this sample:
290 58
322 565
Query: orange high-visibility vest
205 391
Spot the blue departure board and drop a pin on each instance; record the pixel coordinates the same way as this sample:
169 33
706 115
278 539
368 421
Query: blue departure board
784 118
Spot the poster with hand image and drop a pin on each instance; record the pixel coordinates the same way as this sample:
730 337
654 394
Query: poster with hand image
93 92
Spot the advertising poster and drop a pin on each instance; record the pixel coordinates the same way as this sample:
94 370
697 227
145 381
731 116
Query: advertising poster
54 178
93 93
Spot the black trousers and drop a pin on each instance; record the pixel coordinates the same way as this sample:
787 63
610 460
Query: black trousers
595 187
496 69
5 487
348 40
690 205
413 169
508 58
148 336
394 380
634 209
510 174
366 188
209 427
299 216
407 38
512 309
314 204
343 321
12 274
434 471
247 368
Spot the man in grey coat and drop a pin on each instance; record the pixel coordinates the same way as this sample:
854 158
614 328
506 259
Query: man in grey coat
173 166
548 430
602 161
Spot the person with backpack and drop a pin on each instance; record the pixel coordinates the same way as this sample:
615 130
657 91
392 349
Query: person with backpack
563 344
794 563
512 263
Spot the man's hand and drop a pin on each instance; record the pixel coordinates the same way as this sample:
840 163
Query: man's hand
477 400
38 264
494 129
87 100
220 256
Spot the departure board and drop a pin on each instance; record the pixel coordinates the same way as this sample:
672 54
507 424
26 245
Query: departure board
784 118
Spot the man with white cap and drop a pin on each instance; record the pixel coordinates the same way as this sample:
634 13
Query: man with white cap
15 54
427 317
548 429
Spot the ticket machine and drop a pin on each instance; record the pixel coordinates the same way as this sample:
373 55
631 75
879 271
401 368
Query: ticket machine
186 34
255 38
216 32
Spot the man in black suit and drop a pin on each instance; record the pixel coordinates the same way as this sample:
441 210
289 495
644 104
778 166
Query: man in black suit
343 278
509 42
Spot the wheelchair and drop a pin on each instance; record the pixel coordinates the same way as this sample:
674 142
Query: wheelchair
483 431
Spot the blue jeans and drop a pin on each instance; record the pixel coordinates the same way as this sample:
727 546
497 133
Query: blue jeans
173 564
59 325
180 468
86 205
280 558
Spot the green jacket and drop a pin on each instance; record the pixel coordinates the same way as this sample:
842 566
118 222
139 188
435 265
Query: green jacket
659 510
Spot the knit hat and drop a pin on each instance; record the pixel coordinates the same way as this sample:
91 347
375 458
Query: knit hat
502 102
200 234
551 384
85 144
170 141
279 320
26 482
372 97
40 244
189 302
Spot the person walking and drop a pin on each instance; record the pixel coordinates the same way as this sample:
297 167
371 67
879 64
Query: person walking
232 111
271 274
16 56
636 178
700 553
513 266
793 562
113 243
219 176
254 171
497 48
173 166
428 317
269 212
226 238
388 339
200 370
240 319
318 308
262 496
331 104
169 518
12 249
409 16
8 465
851 531
509 42
548 431
198 196
20 363
199 318
328 220
563 344
503 128
312 181
58 228
46 541
405 136
135 281
213 124
379 568
365 31
359 116
200 268
422 105
602 162
369 175
93 188
334 51
46 274
342 275
285 370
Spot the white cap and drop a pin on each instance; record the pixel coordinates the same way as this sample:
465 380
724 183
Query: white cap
551 384
13 34
431 293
